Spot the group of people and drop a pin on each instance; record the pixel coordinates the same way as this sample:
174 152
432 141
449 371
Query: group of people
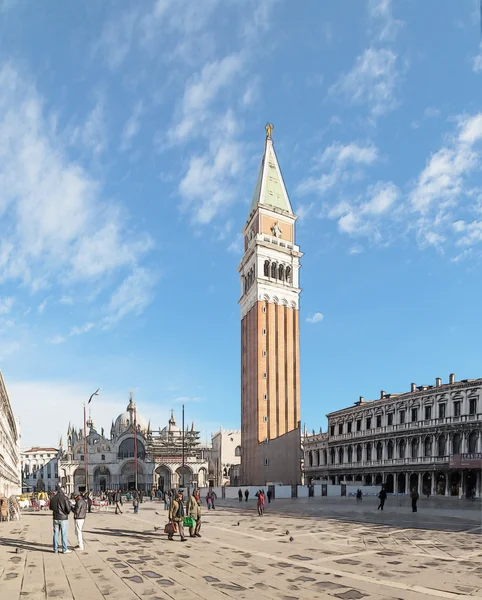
61 507
269 495
179 513
382 496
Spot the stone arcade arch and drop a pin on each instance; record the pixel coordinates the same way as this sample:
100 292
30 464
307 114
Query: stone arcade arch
456 443
183 477
79 480
127 478
426 484
163 478
389 483
202 477
472 442
401 483
102 479
440 483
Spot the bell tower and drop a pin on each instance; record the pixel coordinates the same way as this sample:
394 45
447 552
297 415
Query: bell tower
270 380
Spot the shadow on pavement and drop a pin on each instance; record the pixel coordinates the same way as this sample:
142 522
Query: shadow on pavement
25 545
128 533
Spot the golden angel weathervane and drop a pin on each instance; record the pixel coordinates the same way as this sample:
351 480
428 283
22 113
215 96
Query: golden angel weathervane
269 130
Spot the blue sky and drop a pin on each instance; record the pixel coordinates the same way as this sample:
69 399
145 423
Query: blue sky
130 139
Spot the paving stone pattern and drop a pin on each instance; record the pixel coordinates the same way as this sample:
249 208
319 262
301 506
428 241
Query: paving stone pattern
243 556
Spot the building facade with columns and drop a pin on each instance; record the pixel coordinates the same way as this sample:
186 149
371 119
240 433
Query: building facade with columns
429 438
10 477
270 358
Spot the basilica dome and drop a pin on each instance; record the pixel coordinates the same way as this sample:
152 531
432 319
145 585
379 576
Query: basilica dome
171 428
126 420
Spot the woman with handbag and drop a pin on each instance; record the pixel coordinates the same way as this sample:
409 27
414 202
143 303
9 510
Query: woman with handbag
176 517
194 513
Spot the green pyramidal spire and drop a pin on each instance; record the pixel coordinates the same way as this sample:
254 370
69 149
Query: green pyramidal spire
270 190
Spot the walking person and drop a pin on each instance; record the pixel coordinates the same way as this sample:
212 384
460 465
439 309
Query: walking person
118 502
269 494
414 496
80 511
135 504
260 495
176 516
382 497
61 507
167 500
194 511
209 500
240 495
89 501
246 494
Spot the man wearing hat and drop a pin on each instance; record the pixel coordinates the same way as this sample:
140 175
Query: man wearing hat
176 515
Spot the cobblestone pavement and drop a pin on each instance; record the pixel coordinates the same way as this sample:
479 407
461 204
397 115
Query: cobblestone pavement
278 556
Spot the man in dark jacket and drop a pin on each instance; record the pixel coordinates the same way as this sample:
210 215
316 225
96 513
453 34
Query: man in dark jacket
80 510
382 497
118 502
61 507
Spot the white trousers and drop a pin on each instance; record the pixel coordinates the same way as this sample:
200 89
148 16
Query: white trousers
79 523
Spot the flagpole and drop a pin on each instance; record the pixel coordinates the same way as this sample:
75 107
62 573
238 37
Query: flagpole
85 452
183 482
96 393
135 443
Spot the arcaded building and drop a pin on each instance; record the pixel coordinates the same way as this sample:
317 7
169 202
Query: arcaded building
270 358
429 438
10 480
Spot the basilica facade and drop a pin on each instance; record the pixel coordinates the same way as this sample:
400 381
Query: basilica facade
428 439
166 458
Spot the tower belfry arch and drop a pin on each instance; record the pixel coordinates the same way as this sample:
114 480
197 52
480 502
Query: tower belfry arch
270 382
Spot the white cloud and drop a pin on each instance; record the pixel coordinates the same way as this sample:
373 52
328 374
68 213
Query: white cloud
208 186
132 296
237 245
351 152
386 27
66 300
36 404
200 91
442 179
477 61
7 348
372 81
56 339
382 196
82 329
132 125
93 132
60 226
315 318
345 160
6 303
43 305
